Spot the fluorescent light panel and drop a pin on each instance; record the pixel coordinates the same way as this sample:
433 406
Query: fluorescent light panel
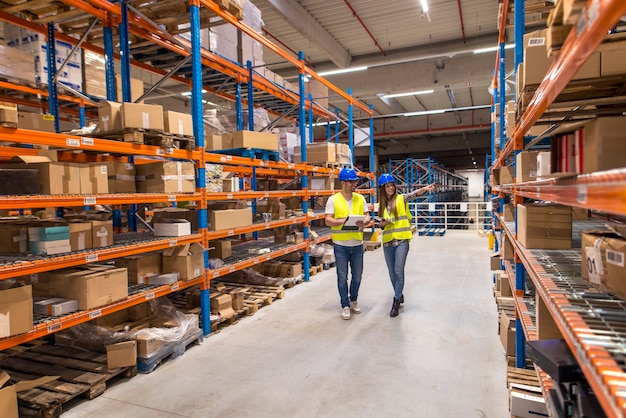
342 71
424 4
492 49
440 111
410 93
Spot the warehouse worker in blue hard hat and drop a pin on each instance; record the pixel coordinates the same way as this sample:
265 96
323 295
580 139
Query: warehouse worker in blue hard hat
348 241
393 209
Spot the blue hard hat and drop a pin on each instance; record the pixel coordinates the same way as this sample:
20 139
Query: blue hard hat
385 178
347 174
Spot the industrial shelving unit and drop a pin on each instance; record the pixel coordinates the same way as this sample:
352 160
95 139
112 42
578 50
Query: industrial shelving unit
590 321
207 70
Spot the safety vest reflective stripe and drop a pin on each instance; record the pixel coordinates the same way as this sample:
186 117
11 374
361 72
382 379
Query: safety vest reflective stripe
400 228
342 211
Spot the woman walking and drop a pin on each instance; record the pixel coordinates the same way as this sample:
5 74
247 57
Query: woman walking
394 212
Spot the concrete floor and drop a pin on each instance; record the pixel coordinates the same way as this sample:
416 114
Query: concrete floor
297 358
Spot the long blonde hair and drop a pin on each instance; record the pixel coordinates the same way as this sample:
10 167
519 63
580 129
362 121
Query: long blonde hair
383 200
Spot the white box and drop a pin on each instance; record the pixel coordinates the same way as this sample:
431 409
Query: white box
50 247
525 405
54 306
163 279
172 228
543 164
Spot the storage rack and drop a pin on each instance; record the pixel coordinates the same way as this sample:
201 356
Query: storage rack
589 321
207 70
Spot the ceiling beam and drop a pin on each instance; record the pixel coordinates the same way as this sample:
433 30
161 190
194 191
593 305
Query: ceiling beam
304 23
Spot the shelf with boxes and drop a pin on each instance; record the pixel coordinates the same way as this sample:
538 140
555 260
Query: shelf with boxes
575 302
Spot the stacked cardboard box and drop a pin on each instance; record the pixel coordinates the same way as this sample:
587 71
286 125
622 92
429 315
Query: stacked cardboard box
52 177
187 260
16 307
166 177
121 177
321 153
544 226
140 266
49 240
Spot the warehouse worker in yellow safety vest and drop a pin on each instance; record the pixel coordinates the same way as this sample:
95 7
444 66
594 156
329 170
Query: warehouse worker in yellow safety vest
347 241
394 211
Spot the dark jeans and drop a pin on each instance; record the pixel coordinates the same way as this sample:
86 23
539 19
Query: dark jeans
345 256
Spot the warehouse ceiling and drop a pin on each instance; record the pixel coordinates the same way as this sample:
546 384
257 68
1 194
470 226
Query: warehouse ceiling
406 48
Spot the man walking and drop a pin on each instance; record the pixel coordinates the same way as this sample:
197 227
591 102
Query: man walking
347 240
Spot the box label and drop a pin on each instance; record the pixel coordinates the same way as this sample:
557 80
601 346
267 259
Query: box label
594 264
615 257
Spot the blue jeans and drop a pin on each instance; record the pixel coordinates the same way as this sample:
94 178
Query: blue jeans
354 257
396 259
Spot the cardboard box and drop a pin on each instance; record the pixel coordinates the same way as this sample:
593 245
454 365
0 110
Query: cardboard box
222 304
14 237
101 233
507 333
166 177
54 306
612 58
603 144
506 175
172 228
54 177
580 214
122 354
187 260
237 299
109 116
222 249
161 215
8 393
526 166
495 261
148 345
92 285
112 319
35 121
177 123
603 262
526 405
544 226
507 248
260 140
140 266
509 212
324 152
94 178
121 177
544 166
50 247
80 235
16 310
142 116
215 142
273 206
136 88
571 10
8 113
229 218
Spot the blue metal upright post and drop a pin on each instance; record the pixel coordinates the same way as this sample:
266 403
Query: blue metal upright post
337 125
53 93
372 165
109 59
350 130
311 139
305 178
198 131
250 96
239 107
520 22
125 54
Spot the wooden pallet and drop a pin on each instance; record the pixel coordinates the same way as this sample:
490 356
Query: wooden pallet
150 137
316 269
82 374
169 351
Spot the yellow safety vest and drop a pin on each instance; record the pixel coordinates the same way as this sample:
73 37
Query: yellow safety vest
342 211
400 227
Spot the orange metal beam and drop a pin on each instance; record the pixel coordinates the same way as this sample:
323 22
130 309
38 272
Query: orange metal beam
73 142
107 253
64 322
53 201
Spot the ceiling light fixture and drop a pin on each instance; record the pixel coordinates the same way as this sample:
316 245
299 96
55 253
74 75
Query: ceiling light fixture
410 93
342 71
424 4
492 49
439 111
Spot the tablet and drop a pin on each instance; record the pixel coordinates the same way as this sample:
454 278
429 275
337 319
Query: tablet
351 221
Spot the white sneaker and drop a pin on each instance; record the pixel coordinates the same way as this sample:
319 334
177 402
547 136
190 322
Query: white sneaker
345 314
354 307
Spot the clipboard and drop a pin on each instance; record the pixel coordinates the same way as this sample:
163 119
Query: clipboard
350 223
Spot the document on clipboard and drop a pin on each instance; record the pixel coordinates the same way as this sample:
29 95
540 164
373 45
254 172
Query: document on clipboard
350 223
